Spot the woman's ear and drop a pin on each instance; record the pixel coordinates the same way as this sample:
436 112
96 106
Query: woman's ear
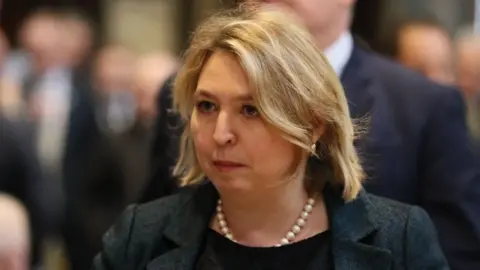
318 131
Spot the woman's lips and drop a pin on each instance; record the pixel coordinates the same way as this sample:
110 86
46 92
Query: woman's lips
224 165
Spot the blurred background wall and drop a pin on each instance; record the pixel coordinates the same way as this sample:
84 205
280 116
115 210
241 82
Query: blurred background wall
167 24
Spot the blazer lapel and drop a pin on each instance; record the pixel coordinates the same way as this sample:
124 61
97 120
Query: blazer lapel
352 227
351 255
187 230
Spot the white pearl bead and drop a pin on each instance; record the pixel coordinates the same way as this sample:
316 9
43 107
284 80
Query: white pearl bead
220 216
222 223
290 235
219 202
296 229
311 201
219 208
229 236
308 208
285 241
224 230
304 215
301 222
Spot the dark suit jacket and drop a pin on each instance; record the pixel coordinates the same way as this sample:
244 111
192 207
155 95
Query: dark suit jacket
83 134
416 151
113 179
21 176
369 233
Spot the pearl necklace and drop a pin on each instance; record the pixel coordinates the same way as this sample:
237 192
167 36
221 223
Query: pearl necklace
289 237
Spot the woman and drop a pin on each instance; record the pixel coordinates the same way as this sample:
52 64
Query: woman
273 178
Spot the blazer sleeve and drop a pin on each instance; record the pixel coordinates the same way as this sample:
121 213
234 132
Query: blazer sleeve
422 249
114 255
450 180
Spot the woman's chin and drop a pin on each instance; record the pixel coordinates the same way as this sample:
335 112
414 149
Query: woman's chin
232 185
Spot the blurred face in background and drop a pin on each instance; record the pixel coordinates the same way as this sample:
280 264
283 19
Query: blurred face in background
326 19
428 50
76 41
41 36
151 72
114 68
468 67
113 74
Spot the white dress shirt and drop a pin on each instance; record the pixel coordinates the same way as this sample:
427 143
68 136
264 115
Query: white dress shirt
339 52
54 92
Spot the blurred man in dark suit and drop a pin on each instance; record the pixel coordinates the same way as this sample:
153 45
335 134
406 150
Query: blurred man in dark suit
21 176
417 149
119 163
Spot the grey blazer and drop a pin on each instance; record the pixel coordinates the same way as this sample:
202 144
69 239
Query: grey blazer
369 233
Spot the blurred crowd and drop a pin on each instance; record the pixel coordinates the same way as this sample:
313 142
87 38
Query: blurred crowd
75 127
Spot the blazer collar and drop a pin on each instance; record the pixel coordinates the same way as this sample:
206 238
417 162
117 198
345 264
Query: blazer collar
351 224
187 229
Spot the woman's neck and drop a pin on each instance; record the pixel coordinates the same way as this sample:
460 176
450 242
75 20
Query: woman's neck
263 219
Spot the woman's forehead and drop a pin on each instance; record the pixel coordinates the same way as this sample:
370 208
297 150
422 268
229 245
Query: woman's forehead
223 76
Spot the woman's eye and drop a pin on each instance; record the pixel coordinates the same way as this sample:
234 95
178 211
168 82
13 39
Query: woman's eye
250 111
205 106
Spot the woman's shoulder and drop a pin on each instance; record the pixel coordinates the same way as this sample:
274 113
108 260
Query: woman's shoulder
138 232
390 215
153 216
407 230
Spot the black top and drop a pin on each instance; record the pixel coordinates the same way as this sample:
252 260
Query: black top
221 253
368 233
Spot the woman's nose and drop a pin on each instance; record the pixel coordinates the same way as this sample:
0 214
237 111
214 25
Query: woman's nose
224 134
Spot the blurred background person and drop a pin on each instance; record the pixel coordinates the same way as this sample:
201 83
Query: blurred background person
468 72
77 41
97 189
112 81
37 39
426 47
21 177
152 71
57 103
119 162
14 232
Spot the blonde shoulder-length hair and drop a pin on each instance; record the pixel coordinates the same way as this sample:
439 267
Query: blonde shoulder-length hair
293 86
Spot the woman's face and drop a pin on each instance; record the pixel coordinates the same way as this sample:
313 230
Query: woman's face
235 147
